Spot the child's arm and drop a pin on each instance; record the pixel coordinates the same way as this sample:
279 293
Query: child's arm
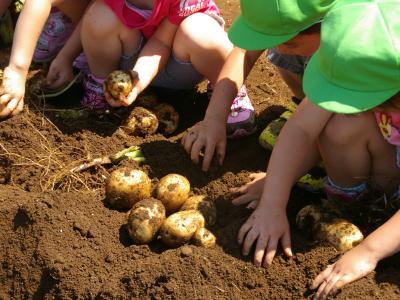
30 23
60 71
210 134
361 260
290 157
151 60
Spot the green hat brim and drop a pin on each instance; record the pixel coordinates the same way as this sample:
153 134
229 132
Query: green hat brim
337 99
245 37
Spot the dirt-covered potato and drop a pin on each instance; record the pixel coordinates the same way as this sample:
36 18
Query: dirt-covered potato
145 219
206 207
308 216
141 121
173 190
180 227
204 238
340 233
127 186
168 118
119 84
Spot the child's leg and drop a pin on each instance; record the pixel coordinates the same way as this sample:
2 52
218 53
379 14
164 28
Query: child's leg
291 69
64 16
354 153
202 42
73 9
293 81
101 24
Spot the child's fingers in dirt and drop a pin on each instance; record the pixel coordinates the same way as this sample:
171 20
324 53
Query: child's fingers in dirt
19 108
4 99
197 147
253 204
259 253
321 277
188 141
221 151
244 199
208 156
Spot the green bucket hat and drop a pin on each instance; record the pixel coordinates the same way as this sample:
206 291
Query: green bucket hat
357 66
267 23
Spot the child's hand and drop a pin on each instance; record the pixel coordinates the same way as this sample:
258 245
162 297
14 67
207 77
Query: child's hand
353 265
128 100
60 73
12 92
250 193
265 227
208 136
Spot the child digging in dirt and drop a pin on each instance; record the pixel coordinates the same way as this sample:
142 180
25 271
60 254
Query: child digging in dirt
351 83
60 24
295 42
171 44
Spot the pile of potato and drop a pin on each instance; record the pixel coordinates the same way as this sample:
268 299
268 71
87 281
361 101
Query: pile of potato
325 226
147 118
187 218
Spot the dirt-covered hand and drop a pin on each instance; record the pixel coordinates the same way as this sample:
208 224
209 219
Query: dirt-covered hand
250 193
12 92
265 228
60 73
208 136
353 265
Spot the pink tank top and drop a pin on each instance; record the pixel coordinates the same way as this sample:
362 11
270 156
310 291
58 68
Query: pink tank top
175 10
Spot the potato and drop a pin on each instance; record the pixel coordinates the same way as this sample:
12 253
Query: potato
145 219
126 186
141 121
308 216
179 227
340 233
119 84
206 207
173 190
168 118
204 238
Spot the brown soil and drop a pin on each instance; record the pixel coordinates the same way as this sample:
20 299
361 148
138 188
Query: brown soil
59 240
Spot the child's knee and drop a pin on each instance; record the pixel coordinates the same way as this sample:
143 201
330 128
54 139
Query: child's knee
344 129
99 20
201 30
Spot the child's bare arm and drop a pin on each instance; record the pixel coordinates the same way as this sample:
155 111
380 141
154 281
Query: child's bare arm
211 133
151 60
30 23
268 224
361 260
60 71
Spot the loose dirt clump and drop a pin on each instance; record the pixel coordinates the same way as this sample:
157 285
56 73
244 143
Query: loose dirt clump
60 240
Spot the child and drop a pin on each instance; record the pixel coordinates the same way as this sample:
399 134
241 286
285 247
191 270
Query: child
53 37
296 40
355 70
172 44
